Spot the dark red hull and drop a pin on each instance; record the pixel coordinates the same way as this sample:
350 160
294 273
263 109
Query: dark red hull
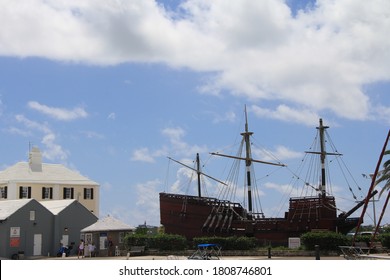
192 216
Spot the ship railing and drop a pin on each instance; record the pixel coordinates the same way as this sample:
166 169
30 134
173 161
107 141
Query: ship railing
268 219
310 197
211 200
299 202
258 216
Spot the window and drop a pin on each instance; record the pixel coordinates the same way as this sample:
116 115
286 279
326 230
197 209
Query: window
88 238
88 193
121 237
24 192
68 193
47 193
3 192
32 215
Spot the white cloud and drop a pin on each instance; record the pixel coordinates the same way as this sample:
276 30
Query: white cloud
319 59
42 127
285 113
148 192
143 154
283 189
184 176
106 186
19 131
58 113
383 113
227 117
145 209
176 146
52 151
111 116
280 153
175 134
92 134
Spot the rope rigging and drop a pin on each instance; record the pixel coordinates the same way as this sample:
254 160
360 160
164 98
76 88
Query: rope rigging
237 207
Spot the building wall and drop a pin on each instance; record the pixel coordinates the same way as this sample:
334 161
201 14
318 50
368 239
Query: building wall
101 241
29 221
69 223
17 231
78 193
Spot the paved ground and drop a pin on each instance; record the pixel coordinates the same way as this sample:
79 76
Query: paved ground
182 257
172 257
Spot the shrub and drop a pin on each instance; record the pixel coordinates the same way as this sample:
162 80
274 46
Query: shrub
326 240
229 243
164 242
385 239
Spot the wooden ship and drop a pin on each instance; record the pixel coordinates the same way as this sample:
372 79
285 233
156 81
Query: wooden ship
196 215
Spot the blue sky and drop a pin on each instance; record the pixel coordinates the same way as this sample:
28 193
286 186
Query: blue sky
112 88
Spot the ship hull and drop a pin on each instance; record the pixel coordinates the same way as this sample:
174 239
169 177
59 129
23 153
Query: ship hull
192 216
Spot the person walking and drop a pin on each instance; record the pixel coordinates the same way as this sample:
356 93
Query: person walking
92 247
81 249
110 246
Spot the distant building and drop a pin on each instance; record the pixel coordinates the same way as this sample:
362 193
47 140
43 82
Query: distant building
147 229
46 182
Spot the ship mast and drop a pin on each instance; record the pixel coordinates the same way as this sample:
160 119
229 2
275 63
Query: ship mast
248 163
323 155
198 172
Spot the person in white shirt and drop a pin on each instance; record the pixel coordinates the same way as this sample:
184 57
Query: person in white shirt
91 247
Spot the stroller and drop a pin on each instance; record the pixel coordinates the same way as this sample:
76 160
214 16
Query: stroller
64 249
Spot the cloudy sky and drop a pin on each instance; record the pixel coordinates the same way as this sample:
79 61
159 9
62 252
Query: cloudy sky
111 88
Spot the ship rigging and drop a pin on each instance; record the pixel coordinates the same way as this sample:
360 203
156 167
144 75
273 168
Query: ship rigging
199 215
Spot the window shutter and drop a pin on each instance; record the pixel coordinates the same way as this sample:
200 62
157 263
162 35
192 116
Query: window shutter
29 192
71 193
91 193
20 192
51 193
43 192
64 193
85 193
5 192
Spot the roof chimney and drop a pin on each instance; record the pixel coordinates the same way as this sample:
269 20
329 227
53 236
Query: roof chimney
35 160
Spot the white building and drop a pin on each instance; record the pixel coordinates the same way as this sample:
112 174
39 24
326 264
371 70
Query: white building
45 182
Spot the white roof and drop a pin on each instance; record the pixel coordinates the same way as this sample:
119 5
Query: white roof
9 207
56 206
50 174
108 224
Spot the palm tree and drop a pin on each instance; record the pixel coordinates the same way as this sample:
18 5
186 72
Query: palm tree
385 175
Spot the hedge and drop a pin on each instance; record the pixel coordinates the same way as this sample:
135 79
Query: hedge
332 240
326 240
385 239
164 242
229 243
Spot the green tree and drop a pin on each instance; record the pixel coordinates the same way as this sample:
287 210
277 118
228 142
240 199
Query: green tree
385 175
